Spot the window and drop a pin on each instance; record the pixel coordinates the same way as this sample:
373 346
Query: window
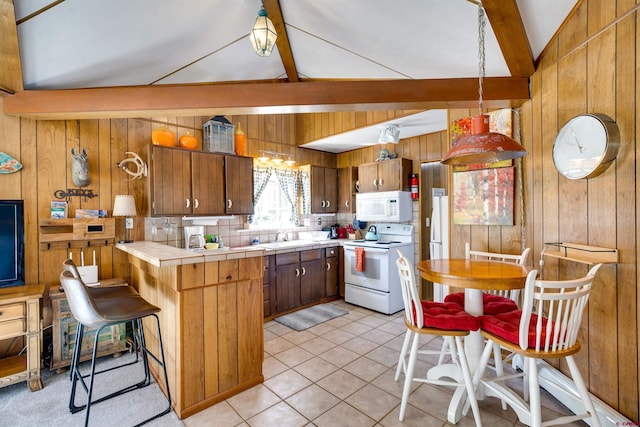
272 209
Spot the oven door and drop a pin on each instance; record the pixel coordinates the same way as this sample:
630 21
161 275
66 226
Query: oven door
376 268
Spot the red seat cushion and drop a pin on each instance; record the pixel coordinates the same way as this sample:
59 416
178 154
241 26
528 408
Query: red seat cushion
491 304
507 326
447 316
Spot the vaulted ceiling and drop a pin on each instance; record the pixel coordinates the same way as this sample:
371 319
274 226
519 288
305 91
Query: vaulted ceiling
129 58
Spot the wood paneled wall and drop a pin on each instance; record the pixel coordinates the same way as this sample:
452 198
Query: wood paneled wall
44 148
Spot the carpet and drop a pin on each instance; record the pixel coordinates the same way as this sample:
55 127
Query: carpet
312 316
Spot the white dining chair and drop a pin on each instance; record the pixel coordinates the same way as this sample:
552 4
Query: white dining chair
533 336
433 318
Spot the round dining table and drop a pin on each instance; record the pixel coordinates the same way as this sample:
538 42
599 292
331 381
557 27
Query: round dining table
475 276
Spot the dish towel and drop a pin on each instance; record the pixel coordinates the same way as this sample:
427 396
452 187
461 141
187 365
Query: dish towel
360 259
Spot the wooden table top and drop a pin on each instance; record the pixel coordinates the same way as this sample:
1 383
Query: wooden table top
474 273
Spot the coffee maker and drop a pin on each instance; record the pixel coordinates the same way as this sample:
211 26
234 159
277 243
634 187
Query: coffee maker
194 237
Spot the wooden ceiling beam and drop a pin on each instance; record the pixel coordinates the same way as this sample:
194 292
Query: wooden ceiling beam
265 98
10 67
507 25
282 42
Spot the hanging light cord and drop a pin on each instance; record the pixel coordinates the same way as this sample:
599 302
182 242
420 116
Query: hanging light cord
482 23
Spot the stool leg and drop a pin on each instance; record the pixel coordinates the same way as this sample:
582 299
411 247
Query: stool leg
143 349
92 375
75 374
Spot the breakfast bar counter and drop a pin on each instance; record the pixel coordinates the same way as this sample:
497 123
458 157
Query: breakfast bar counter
211 318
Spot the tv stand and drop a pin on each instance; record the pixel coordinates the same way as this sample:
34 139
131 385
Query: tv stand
20 319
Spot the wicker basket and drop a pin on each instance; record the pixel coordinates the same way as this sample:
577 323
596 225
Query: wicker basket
217 137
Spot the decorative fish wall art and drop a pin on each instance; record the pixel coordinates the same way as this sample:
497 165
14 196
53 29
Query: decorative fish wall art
8 164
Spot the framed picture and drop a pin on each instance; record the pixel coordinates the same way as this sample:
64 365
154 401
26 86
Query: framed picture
483 197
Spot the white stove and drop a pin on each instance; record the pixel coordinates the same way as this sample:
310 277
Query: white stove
377 286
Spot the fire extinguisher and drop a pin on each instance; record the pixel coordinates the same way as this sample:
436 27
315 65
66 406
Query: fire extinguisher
415 194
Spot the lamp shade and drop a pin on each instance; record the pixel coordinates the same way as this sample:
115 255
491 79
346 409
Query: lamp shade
263 34
482 146
124 205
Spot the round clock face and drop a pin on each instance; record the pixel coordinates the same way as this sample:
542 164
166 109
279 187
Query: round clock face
585 146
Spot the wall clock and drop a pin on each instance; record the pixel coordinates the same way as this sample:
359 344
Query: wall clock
586 146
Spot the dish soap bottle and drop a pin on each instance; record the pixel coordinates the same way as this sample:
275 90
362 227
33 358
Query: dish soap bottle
240 141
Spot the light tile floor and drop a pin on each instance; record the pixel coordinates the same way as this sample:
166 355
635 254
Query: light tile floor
341 373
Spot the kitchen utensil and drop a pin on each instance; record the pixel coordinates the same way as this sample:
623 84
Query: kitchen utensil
333 233
372 233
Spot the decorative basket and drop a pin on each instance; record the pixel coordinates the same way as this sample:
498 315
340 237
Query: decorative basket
217 136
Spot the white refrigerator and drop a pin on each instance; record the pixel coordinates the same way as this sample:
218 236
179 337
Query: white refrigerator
439 241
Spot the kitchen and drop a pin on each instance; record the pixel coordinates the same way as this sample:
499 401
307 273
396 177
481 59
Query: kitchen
554 209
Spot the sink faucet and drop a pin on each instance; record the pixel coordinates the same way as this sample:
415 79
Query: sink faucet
282 236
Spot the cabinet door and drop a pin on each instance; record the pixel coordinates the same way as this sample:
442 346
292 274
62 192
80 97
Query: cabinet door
394 174
331 190
207 176
312 284
331 276
239 185
169 181
318 200
287 287
368 177
347 178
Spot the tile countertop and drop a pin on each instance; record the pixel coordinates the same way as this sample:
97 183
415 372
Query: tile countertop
162 255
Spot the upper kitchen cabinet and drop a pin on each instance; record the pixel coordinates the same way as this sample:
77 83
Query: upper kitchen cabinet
387 175
186 182
347 179
238 173
324 189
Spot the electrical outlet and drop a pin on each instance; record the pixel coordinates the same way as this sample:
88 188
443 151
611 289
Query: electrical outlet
128 223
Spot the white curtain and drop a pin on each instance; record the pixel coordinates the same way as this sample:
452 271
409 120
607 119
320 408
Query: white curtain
260 180
288 180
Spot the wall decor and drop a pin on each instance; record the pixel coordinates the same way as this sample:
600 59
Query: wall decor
80 168
141 168
8 164
483 197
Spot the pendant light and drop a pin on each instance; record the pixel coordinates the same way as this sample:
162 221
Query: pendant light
389 134
263 34
482 146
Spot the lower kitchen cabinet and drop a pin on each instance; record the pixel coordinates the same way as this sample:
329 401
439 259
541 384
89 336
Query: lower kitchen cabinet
297 279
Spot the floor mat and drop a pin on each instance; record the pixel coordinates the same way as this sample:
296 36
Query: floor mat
312 316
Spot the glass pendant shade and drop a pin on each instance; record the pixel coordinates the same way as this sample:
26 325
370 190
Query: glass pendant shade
482 146
263 35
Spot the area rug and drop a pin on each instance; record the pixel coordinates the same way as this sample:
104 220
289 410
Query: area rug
312 316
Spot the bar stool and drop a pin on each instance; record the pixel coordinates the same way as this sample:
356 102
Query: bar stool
99 312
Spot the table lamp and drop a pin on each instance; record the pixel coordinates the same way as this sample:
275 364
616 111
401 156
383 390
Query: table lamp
125 205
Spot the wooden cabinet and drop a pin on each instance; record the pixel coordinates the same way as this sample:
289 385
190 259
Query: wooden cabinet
347 178
324 189
238 185
20 320
269 286
312 279
332 272
112 339
301 278
187 182
211 321
387 175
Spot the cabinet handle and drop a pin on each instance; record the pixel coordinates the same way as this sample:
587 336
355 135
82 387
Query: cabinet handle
381 182
375 182
229 204
187 203
297 272
328 266
328 203
322 205
196 203
346 203
304 271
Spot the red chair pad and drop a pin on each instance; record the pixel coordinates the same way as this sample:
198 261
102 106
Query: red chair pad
447 316
491 304
506 325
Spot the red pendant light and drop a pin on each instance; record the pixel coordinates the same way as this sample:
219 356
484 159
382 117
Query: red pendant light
482 146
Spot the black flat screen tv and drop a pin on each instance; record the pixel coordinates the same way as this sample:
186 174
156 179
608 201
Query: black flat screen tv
11 243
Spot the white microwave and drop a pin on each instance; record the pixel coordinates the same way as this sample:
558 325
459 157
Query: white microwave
384 206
